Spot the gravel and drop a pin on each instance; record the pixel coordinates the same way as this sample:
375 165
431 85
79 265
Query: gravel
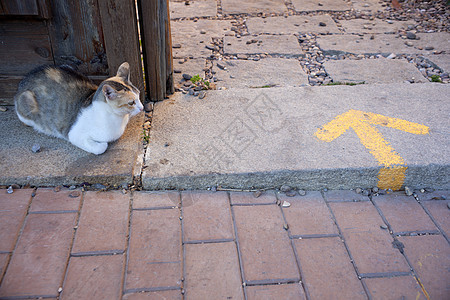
411 35
36 148
187 77
408 191
285 188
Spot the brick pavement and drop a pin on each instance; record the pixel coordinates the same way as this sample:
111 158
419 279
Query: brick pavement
223 245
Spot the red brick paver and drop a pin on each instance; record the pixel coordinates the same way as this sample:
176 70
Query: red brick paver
38 263
264 244
327 270
338 196
440 212
163 295
430 258
267 197
204 219
207 245
47 200
147 200
154 255
404 213
94 277
212 271
308 215
292 291
436 195
4 257
402 287
103 224
13 208
370 246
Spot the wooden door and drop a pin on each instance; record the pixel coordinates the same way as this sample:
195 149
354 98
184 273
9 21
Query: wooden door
94 36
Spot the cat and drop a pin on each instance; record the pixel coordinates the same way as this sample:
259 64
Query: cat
60 102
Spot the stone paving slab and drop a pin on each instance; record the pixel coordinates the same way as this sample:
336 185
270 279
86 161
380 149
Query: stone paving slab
253 6
367 5
373 71
265 137
197 8
271 44
214 28
374 26
187 34
292 24
191 67
383 44
323 5
441 60
262 261
59 162
257 74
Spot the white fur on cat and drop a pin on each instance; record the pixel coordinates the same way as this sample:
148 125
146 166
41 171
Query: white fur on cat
99 124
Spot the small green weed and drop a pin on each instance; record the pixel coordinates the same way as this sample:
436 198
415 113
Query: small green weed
198 81
346 83
436 78
196 78
145 136
264 86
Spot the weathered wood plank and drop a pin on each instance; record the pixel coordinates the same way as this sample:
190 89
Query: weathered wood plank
121 37
8 86
22 27
44 9
156 41
77 36
20 7
24 45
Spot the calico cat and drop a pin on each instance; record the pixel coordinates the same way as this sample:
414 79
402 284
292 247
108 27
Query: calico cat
60 102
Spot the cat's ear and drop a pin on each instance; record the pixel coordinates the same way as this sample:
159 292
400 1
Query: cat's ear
124 71
109 92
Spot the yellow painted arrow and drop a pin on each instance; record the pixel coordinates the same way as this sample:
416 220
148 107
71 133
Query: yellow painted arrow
393 174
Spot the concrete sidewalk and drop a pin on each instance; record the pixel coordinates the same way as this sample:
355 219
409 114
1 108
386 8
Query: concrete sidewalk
266 126
223 245
264 138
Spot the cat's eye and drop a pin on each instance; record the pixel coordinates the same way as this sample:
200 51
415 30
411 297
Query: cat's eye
131 103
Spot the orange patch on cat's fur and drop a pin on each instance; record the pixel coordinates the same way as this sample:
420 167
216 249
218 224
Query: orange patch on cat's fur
54 74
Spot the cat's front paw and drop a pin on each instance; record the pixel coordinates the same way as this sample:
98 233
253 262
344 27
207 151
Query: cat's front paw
89 145
98 148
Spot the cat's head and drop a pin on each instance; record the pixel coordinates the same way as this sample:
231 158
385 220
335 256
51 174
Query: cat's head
121 94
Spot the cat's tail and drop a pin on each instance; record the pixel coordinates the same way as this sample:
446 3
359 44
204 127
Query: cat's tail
26 106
